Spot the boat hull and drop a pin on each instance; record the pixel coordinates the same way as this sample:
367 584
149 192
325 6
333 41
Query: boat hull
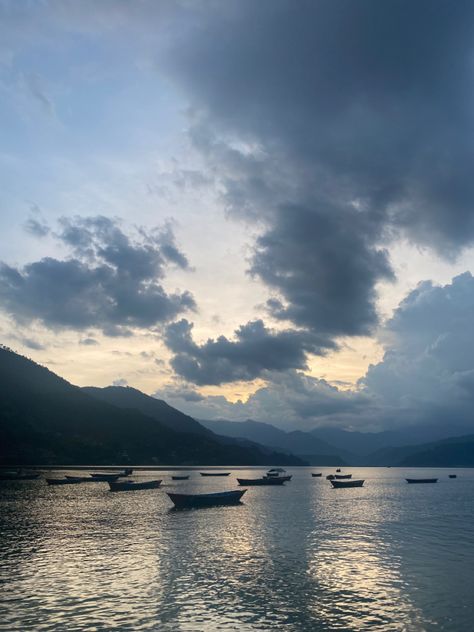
413 481
62 481
214 473
316 475
182 501
107 478
281 478
180 478
344 484
122 486
343 476
261 481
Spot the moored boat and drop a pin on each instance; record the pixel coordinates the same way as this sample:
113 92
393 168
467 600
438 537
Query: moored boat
180 478
338 469
275 471
62 481
453 475
92 479
316 474
279 480
104 477
330 477
125 486
207 500
215 473
341 476
347 483
421 480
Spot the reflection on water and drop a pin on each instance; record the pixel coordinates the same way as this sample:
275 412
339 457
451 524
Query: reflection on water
304 557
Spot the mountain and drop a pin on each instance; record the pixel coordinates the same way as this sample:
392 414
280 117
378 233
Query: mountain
295 442
453 452
46 420
366 443
131 398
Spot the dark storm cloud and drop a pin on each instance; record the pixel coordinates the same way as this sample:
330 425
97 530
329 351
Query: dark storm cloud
317 280
111 282
335 126
256 349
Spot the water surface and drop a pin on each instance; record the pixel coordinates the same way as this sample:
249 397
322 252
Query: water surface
304 557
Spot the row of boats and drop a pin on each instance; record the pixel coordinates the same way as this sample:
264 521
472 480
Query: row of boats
275 476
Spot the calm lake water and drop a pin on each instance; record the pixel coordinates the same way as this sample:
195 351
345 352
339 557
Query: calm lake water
304 557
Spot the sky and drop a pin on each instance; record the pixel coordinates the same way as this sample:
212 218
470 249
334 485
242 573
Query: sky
250 209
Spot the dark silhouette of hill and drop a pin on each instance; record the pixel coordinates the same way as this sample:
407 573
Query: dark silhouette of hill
296 442
363 444
131 398
46 420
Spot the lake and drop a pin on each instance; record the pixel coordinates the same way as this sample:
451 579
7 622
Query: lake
302 557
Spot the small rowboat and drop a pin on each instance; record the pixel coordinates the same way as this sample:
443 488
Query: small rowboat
287 477
107 475
275 471
314 475
215 473
453 475
125 486
421 480
104 477
261 481
207 500
180 478
330 477
62 481
343 476
339 484
92 479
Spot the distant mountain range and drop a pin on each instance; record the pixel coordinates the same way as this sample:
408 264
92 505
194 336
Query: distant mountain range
315 450
46 420
332 446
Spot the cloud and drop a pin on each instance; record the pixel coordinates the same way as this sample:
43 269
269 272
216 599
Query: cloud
255 349
426 375
88 342
120 382
334 129
111 281
290 400
428 368
36 225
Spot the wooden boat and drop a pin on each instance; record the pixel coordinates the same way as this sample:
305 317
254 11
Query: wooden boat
287 477
453 475
330 477
262 481
104 477
353 483
85 479
340 476
125 486
207 500
19 476
421 480
314 475
275 471
180 478
62 481
215 473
